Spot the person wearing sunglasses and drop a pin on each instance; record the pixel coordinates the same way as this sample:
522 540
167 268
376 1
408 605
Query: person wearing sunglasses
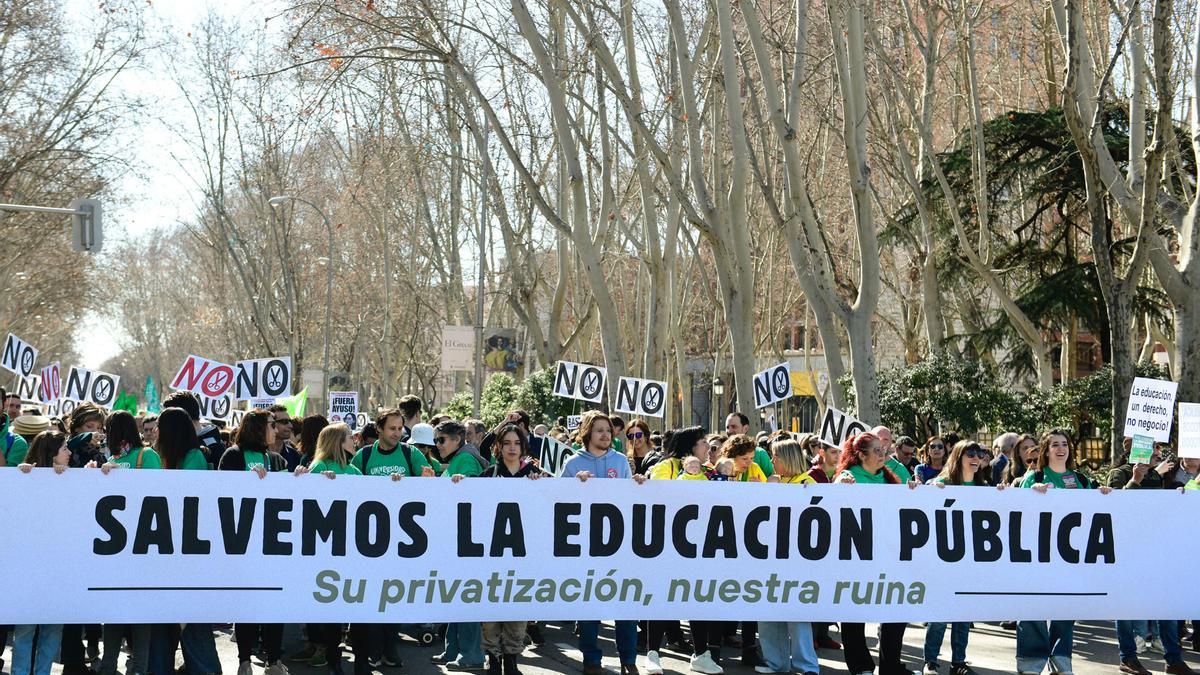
864 461
638 448
966 465
933 460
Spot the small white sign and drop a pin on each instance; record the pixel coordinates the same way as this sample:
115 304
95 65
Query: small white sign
646 398
837 426
580 381
91 386
258 379
216 407
1189 429
1151 407
343 407
19 356
458 348
573 422
50 388
203 377
772 385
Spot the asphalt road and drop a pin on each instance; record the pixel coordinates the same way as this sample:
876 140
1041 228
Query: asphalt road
991 650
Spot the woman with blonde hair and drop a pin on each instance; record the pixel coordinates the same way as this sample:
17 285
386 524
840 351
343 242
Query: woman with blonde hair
333 452
791 463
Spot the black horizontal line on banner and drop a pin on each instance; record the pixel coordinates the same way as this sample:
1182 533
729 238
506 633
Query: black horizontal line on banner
1040 593
186 588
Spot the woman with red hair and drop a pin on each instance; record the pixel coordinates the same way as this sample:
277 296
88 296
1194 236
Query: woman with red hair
864 460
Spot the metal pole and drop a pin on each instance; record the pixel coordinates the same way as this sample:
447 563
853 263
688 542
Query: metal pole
477 395
39 209
328 308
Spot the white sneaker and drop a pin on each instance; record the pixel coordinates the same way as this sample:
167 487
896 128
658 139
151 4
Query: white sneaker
245 668
703 663
1157 645
653 663
931 668
767 670
1142 645
277 668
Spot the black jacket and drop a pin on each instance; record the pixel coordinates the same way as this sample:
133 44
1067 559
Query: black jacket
234 460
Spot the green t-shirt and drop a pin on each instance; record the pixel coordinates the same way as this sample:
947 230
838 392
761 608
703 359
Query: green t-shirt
254 459
16 454
899 469
384 463
129 460
464 464
941 480
339 469
194 460
1193 484
1063 481
763 459
861 475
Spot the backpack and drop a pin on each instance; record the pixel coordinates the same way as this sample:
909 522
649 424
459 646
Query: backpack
404 447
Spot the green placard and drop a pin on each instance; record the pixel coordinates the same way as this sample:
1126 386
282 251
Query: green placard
1142 450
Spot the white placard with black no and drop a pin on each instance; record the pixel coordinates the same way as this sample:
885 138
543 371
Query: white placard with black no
91 386
1151 409
19 356
772 385
580 381
216 407
263 378
645 398
837 426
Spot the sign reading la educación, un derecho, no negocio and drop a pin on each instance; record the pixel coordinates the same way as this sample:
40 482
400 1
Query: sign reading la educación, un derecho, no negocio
207 546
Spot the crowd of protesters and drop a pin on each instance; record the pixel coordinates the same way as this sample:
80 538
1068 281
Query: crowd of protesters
399 444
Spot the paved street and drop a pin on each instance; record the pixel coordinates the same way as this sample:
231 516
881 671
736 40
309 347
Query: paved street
991 651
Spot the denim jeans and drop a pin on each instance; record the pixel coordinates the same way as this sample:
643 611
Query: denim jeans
589 642
464 643
35 648
1168 632
935 633
199 647
139 648
788 646
1039 644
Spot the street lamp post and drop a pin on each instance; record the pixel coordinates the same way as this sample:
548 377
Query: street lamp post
718 390
283 199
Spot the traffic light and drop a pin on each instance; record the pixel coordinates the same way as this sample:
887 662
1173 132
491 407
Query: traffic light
87 233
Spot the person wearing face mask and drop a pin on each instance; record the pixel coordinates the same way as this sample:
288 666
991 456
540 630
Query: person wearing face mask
966 465
1042 643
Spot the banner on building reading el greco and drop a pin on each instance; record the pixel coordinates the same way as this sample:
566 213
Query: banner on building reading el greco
221 547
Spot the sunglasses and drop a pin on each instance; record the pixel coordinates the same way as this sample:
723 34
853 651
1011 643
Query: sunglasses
634 435
973 453
440 439
287 422
937 446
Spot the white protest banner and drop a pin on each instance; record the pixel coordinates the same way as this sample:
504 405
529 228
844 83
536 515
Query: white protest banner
772 385
561 549
91 386
837 426
50 388
580 381
343 407
458 348
203 376
263 378
216 407
1151 407
553 455
647 398
573 422
1189 429
19 356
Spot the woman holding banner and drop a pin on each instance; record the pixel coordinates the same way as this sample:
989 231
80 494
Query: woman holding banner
463 650
1041 642
505 640
36 646
252 452
933 460
180 448
967 465
638 448
788 645
864 461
